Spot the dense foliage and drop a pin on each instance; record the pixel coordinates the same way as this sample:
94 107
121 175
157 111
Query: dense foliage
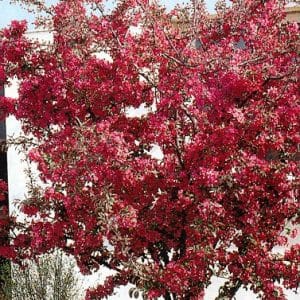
202 182
50 277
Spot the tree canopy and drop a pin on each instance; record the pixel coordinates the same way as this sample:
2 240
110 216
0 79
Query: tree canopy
219 101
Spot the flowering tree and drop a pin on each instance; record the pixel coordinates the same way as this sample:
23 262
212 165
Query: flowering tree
220 103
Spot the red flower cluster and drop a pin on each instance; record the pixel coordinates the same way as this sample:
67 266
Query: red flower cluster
3 190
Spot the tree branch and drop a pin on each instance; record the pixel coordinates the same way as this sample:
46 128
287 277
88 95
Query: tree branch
229 290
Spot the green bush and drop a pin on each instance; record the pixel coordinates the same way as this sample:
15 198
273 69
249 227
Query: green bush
50 277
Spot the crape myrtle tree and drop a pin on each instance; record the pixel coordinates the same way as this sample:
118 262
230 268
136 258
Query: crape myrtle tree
220 101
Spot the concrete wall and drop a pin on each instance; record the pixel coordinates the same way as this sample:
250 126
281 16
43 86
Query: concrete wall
293 13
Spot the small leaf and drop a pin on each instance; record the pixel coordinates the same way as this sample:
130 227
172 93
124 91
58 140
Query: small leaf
131 290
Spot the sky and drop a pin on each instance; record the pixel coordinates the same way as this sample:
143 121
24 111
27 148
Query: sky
9 12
